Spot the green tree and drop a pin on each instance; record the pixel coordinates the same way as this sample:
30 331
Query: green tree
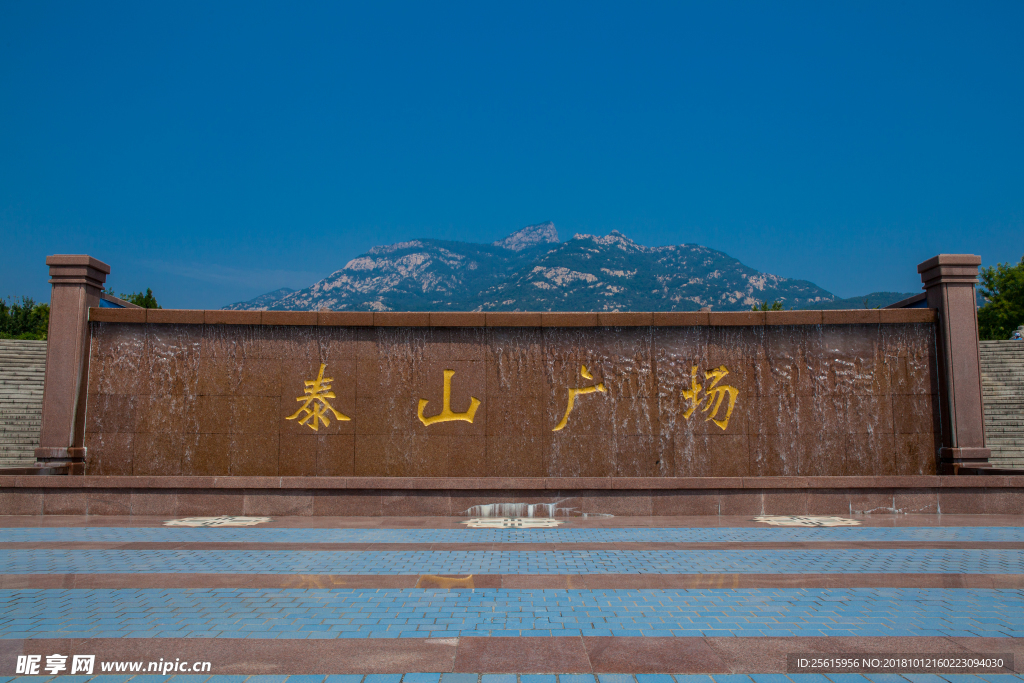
1003 289
24 320
765 306
146 300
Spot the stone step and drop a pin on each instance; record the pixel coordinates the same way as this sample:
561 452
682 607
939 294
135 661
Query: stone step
22 374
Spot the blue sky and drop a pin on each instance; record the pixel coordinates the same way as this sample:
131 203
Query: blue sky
216 151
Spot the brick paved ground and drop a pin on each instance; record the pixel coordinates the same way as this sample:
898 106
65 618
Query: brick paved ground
336 607
558 535
837 561
368 613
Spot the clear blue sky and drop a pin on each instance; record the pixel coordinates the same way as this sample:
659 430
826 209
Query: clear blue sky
214 150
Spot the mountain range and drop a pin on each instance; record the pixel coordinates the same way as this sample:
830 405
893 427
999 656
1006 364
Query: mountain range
532 270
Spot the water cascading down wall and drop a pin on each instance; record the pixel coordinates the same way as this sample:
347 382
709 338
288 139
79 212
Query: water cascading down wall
249 394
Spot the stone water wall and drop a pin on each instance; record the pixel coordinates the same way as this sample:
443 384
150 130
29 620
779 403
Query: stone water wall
813 394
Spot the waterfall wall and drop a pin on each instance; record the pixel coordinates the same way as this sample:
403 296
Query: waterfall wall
834 393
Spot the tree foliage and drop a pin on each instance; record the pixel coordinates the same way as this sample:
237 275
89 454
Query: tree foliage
146 300
1003 289
24 320
765 306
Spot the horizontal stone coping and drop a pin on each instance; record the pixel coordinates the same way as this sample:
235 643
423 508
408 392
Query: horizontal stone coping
510 484
477 319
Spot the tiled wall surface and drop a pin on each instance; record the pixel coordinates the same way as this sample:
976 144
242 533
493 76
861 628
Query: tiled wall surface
212 399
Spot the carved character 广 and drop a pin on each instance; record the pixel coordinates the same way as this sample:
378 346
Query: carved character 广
316 394
713 399
573 393
446 414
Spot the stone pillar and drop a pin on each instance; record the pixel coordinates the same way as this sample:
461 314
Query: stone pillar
949 281
77 281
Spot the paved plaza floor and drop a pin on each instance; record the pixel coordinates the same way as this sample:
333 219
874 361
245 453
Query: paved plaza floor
427 600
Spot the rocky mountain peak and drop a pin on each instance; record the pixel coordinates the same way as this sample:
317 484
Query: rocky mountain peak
530 236
614 238
530 270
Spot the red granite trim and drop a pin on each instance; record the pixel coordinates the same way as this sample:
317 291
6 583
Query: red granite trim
232 317
345 318
170 316
507 483
497 655
792 317
457 319
892 316
522 655
516 581
514 319
510 319
117 315
568 319
401 319
653 655
737 318
855 316
680 318
625 319
36 520
307 318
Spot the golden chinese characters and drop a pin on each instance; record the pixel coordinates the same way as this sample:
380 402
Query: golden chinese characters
573 393
316 394
713 399
446 414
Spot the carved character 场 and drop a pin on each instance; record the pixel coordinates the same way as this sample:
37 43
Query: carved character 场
713 399
316 394
573 393
446 414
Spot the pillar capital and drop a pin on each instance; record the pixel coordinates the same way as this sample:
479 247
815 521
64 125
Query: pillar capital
77 269
949 269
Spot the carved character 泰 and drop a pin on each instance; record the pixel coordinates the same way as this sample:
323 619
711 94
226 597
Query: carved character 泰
316 393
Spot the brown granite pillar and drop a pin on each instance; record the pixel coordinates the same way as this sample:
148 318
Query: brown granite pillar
77 281
949 281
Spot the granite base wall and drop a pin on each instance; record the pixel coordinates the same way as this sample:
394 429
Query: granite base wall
400 497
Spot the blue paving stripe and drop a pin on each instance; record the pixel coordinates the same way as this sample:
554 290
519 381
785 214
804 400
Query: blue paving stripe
417 613
561 535
928 561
